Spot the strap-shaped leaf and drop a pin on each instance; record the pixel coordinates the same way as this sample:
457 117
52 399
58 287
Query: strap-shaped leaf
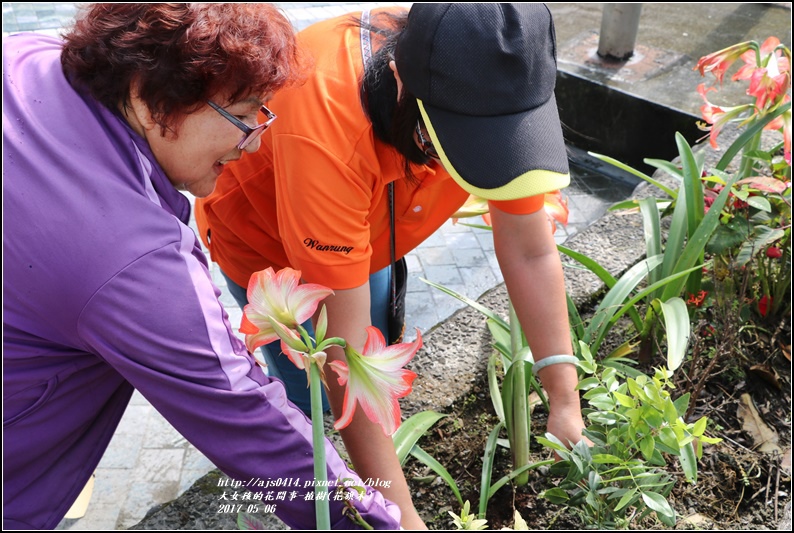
637 173
677 324
428 460
471 303
410 431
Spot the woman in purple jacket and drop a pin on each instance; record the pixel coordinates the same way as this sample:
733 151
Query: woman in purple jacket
105 287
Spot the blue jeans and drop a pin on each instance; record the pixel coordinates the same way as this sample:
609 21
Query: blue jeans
282 368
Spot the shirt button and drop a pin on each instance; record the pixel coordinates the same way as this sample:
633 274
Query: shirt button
417 208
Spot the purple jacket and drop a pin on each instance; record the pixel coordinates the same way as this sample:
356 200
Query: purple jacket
106 290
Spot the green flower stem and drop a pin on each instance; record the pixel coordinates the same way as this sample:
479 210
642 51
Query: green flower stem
322 512
520 429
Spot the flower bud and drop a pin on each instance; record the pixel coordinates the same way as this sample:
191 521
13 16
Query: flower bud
773 252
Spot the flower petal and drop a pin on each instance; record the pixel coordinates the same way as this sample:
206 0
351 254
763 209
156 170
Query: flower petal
376 379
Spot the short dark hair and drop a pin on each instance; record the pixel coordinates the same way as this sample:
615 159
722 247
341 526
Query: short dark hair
393 121
180 54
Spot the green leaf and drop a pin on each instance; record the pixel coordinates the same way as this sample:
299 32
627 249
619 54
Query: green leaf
658 503
697 242
500 334
471 303
759 202
438 468
575 319
587 383
669 167
607 459
748 135
608 307
550 441
682 404
728 236
603 402
622 366
677 324
625 204
410 431
487 468
624 400
604 418
555 495
637 173
493 388
653 233
647 446
700 426
689 463
592 265
763 236
626 499
694 188
514 474
676 235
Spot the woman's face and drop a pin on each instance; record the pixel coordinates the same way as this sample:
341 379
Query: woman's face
203 142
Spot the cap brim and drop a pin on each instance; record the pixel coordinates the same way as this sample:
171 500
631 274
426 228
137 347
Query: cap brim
503 157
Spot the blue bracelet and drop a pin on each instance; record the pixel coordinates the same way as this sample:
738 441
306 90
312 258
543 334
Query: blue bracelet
553 360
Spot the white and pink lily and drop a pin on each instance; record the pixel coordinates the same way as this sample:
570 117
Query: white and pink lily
279 296
376 379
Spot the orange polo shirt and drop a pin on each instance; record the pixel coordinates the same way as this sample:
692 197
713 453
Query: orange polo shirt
314 196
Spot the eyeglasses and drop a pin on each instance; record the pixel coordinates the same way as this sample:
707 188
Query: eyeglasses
427 146
249 134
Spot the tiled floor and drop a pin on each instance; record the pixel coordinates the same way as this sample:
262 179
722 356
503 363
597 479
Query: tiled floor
147 461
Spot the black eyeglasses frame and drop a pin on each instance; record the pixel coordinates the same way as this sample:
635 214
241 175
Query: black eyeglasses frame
249 134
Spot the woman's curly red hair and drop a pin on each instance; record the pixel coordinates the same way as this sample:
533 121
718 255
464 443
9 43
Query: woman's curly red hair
180 55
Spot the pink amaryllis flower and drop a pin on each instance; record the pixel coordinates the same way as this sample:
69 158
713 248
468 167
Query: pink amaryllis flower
783 123
719 62
376 379
756 57
280 296
716 116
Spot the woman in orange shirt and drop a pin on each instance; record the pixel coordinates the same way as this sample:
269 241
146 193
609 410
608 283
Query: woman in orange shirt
455 99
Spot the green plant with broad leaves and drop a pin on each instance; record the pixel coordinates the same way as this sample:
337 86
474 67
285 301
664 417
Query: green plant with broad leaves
633 424
673 266
738 213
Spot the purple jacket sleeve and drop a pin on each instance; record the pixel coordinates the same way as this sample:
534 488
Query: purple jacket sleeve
160 325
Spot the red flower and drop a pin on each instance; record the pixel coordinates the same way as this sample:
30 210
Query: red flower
719 62
764 304
769 79
698 300
773 252
716 117
707 202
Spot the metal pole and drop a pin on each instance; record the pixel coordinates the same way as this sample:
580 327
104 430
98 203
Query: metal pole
619 24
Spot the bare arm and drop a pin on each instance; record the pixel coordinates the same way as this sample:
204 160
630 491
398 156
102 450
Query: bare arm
371 451
532 270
